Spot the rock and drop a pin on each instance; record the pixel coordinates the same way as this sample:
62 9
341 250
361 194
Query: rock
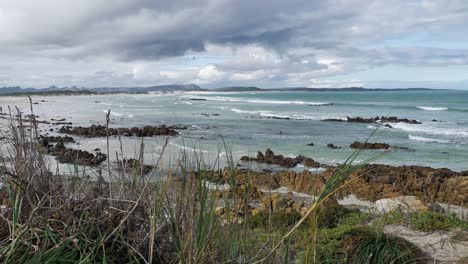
435 207
46 140
75 156
310 144
406 204
245 158
269 153
367 145
332 146
270 158
377 119
101 131
260 155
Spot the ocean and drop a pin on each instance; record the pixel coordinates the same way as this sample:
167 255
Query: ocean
242 123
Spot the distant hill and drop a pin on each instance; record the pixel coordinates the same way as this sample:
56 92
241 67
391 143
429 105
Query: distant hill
179 87
305 89
76 90
158 88
239 89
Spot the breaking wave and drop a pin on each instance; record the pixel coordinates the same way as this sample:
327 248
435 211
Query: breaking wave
427 139
429 108
257 101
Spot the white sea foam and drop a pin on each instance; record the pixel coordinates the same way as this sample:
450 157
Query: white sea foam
426 139
130 116
270 114
112 112
302 166
430 108
197 150
431 130
240 111
187 103
289 116
256 101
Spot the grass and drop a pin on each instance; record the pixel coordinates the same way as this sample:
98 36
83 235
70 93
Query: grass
123 216
432 221
374 246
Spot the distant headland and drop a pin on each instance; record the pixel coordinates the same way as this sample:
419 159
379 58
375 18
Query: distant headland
73 90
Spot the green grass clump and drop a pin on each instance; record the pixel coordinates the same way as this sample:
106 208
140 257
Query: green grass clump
431 221
374 246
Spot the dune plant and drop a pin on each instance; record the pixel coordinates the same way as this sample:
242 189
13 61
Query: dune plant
374 246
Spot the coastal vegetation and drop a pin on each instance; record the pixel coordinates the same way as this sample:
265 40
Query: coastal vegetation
189 212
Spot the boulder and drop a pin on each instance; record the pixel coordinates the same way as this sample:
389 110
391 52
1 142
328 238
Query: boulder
406 204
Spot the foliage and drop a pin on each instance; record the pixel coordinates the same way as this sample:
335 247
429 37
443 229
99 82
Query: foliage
431 221
374 246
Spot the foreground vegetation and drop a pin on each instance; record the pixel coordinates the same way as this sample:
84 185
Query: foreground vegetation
177 216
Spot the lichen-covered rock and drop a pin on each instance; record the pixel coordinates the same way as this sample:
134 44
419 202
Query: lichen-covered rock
405 204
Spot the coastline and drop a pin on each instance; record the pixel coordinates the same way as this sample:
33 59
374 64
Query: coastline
241 193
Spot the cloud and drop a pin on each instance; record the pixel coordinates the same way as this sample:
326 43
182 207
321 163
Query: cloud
223 42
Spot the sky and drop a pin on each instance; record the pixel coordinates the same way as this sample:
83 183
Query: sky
215 43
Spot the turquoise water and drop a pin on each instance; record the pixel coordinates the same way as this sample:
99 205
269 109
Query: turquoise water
245 123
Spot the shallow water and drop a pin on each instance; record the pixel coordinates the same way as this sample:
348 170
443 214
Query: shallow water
245 124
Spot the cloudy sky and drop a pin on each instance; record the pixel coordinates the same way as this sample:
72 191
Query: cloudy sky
212 43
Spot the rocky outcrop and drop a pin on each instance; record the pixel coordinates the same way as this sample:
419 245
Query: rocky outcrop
333 146
372 182
101 131
75 156
45 141
270 158
367 145
377 119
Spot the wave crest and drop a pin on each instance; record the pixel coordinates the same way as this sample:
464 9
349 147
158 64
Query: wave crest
430 108
426 139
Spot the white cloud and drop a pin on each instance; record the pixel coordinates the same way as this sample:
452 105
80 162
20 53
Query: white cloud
297 42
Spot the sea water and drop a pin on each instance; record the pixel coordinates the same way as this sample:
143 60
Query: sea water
224 123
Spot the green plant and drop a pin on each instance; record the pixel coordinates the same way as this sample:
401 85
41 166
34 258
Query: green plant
430 221
374 246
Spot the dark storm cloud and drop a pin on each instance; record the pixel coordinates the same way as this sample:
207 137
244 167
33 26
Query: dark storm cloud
296 40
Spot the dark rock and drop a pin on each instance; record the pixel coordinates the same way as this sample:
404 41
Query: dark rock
75 156
367 145
101 131
333 146
435 207
310 144
46 140
270 158
377 119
